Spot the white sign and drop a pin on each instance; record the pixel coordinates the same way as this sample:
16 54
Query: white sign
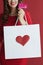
22 41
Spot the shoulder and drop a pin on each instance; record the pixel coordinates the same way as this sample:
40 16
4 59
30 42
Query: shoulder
27 13
28 16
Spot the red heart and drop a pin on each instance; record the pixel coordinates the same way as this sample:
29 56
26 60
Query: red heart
22 40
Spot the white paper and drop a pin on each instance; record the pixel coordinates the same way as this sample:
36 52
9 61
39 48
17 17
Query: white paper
14 50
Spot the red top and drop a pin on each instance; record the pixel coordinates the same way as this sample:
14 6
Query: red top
11 22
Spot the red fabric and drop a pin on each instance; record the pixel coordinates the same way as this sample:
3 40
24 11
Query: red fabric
11 22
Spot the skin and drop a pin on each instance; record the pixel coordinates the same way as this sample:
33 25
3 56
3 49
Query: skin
21 13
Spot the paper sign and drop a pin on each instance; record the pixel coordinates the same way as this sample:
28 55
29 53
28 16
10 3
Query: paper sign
22 41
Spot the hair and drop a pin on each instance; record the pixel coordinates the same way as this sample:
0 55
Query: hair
7 10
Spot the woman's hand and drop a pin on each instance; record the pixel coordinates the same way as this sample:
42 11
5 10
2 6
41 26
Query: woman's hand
21 15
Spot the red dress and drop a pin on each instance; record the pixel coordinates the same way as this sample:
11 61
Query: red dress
11 21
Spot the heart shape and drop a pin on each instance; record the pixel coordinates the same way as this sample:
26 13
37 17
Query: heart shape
22 40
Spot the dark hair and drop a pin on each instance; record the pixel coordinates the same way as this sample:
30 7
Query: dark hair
7 10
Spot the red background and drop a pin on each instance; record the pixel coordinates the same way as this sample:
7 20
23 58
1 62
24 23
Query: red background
35 7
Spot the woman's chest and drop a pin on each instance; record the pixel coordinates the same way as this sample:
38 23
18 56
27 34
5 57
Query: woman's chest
12 21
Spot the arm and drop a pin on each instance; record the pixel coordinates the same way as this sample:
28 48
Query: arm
23 21
29 21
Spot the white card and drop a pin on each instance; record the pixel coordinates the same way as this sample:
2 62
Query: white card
22 41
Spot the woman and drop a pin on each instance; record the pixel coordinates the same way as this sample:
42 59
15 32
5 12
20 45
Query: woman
12 15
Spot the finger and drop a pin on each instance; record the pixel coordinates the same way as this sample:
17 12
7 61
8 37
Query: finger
19 12
19 8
